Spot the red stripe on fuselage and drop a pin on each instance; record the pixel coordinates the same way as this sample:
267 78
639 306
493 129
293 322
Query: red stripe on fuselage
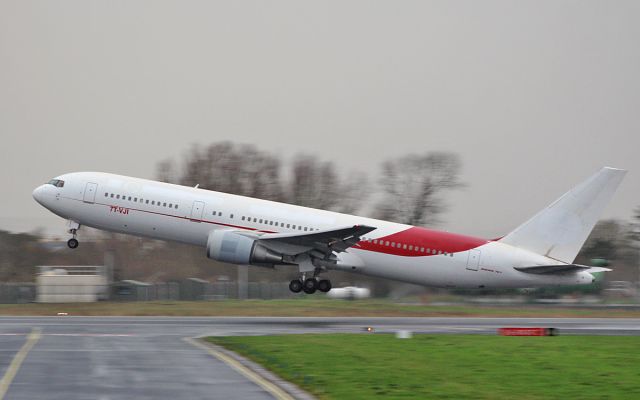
420 238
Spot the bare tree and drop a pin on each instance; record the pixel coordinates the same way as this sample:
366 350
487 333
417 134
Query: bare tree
313 183
316 184
354 192
231 168
166 171
413 186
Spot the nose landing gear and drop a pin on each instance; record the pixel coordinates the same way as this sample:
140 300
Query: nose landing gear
73 229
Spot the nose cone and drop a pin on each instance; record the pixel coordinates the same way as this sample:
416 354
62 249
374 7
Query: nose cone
39 194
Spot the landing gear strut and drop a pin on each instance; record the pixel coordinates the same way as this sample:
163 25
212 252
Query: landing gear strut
73 230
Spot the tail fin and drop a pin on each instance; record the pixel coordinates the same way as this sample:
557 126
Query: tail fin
560 230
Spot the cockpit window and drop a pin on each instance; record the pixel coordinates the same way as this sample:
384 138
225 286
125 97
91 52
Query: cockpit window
56 183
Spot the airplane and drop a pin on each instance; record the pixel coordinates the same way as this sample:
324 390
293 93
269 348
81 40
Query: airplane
248 231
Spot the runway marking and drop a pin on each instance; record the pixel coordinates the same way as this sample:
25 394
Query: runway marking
33 337
272 389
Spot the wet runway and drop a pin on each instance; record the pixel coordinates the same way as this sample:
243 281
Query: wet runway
148 358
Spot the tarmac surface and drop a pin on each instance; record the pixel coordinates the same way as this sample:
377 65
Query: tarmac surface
148 357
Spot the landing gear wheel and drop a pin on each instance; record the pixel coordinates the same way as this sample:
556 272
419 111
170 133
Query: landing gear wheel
72 243
324 285
295 286
310 285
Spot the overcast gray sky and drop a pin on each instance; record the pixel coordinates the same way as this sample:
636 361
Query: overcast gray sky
533 95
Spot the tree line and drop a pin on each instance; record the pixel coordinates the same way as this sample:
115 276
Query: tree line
410 189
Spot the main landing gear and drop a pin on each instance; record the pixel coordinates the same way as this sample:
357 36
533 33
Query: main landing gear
73 229
310 285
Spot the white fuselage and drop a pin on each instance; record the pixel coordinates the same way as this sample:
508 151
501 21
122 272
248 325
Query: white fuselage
395 251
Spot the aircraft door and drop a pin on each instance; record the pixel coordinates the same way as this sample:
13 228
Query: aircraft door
196 211
474 260
90 192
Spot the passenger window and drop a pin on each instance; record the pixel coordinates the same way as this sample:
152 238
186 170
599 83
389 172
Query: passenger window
410 247
305 228
135 199
147 202
288 225
118 196
111 195
106 195
164 204
153 203
176 206
293 227
404 246
231 216
170 205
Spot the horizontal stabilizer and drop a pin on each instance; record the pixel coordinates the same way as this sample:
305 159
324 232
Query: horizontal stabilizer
560 269
560 230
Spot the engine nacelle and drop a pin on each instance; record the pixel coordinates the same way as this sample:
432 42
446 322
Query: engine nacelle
232 248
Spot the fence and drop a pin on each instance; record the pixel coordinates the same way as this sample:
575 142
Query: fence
192 289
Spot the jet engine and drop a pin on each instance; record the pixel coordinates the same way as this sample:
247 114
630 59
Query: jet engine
233 248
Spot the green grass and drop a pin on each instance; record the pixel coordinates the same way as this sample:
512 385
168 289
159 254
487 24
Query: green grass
364 366
304 307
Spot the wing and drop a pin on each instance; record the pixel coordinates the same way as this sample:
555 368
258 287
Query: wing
318 244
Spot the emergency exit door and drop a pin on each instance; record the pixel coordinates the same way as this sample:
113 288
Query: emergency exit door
196 211
90 192
474 260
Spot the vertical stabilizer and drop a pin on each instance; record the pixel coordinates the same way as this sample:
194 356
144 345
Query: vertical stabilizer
560 230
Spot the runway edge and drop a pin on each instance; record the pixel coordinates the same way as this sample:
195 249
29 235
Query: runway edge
290 390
